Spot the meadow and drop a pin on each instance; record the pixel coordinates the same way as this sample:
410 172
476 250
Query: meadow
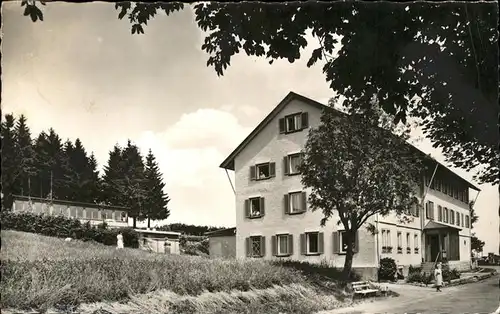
44 273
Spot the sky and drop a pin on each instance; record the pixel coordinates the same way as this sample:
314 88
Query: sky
81 72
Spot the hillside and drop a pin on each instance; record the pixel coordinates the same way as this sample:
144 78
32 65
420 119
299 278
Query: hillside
44 273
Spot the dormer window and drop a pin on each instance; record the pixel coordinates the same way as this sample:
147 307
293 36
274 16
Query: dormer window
294 122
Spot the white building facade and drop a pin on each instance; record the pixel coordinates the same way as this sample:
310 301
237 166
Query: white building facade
273 220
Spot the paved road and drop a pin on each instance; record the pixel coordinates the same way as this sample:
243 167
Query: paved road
479 297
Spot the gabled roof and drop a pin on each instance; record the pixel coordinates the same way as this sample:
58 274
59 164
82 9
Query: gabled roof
222 232
228 163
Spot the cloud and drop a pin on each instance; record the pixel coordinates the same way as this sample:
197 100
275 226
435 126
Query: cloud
189 154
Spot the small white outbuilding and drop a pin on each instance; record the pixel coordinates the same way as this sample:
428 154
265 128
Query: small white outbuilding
164 242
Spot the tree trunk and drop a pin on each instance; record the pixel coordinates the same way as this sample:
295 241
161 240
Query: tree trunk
134 224
149 222
348 257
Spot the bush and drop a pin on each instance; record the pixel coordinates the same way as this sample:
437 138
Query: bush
449 274
62 227
387 269
321 270
414 277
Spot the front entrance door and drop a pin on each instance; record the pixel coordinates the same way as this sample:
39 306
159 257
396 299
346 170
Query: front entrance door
434 241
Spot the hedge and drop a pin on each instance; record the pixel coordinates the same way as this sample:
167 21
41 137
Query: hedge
62 227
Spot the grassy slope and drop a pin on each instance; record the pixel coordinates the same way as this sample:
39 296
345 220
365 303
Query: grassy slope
40 272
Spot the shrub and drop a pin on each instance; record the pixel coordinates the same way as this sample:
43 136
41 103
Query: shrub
387 269
62 227
414 277
322 270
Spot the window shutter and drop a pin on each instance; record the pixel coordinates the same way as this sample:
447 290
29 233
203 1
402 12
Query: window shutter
303 248
356 242
272 169
440 213
336 242
262 207
427 210
290 244
247 247
274 244
304 201
253 173
286 204
286 167
305 120
262 246
431 211
321 243
247 208
282 125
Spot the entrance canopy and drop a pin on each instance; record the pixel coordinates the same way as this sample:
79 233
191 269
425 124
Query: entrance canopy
433 225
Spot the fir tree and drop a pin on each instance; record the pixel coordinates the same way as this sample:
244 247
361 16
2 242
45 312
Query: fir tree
133 182
9 160
112 183
156 198
26 155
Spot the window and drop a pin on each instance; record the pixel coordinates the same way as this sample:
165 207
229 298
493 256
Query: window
295 202
340 242
458 219
255 246
104 215
282 245
291 164
95 214
408 244
440 213
467 221
452 216
294 122
450 190
79 212
386 241
445 215
416 209
455 192
437 183
254 207
461 195
462 219
416 242
263 171
311 243
124 216
400 243
429 210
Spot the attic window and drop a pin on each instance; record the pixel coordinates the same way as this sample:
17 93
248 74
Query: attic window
294 122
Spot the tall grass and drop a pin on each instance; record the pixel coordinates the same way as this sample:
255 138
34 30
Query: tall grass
39 272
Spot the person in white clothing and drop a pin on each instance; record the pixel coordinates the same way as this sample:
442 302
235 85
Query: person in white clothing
119 241
438 276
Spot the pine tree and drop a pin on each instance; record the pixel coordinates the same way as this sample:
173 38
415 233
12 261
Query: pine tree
9 160
156 199
70 191
26 155
112 181
40 184
57 175
93 187
133 182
